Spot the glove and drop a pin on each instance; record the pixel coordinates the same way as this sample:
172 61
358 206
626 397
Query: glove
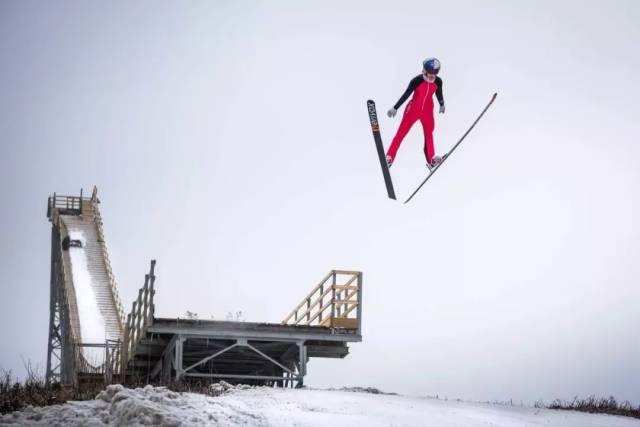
441 110
392 112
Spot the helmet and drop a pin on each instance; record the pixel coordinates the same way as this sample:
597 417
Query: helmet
431 65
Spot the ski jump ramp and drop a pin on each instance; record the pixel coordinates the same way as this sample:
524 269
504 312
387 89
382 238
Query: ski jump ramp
90 337
86 316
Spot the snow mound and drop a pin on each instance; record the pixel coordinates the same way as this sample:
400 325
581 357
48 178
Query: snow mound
148 406
263 406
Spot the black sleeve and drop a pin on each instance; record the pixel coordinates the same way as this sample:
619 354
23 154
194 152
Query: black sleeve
413 84
439 91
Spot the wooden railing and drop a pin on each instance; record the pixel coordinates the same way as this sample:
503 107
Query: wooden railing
336 302
68 204
140 318
107 261
65 202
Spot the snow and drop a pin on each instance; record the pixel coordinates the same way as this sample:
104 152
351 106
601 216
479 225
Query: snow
92 324
263 406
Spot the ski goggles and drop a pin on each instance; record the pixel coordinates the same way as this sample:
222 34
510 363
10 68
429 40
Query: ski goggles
430 77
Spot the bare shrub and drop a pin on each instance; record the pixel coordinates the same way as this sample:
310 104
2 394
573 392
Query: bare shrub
598 406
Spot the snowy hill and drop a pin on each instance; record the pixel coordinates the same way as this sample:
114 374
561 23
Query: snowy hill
289 407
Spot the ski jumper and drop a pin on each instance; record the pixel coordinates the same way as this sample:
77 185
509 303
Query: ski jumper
419 108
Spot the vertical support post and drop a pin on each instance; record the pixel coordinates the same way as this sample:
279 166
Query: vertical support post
166 367
124 355
133 335
333 298
359 309
145 304
302 363
149 359
321 302
339 298
73 363
107 364
138 315
152 293
179 366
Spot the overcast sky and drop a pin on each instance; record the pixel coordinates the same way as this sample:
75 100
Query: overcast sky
230 141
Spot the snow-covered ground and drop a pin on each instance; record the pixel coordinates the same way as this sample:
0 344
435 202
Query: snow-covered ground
264 406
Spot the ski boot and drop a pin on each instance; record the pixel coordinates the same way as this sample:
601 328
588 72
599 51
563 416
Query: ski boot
435 162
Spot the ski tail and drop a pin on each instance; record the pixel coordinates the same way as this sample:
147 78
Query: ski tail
375 128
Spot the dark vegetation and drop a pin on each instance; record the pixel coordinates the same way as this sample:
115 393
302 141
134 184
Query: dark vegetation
16 395
596 405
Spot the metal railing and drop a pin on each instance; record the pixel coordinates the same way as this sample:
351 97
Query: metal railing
336 302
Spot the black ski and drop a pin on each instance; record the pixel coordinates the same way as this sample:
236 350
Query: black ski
446 156
375 128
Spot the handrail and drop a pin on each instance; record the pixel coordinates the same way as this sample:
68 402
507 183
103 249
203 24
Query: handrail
331 303
140 318
102 242
322 282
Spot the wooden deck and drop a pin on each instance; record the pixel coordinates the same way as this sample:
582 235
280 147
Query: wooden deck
169 349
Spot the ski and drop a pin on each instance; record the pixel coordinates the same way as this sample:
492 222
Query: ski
375 128
446 156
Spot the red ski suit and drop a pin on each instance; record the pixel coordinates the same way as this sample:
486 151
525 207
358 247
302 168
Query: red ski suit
419 108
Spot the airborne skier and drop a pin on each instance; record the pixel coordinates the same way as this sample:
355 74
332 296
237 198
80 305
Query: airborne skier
420 107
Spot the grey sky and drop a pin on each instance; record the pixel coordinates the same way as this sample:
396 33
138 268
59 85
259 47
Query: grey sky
230 141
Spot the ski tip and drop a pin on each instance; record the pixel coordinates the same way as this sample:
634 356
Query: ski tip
494 96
